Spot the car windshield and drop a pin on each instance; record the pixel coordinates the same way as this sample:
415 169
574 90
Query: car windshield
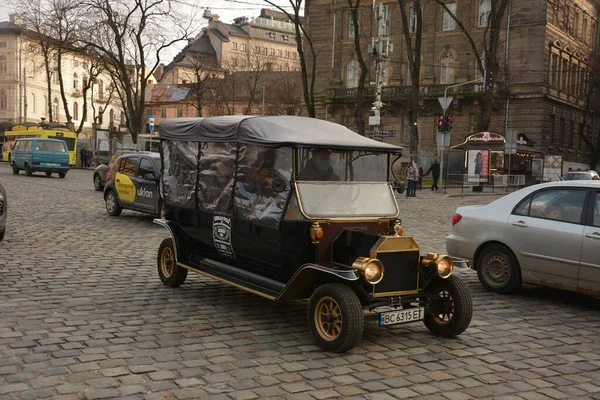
347 199
338 165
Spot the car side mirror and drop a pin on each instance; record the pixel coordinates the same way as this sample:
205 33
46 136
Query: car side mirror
149 177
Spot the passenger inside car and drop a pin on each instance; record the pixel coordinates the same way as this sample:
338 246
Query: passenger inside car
318 168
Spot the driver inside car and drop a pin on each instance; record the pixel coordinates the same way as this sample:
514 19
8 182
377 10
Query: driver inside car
318 168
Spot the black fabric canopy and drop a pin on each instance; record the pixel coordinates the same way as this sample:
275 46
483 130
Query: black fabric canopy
277 131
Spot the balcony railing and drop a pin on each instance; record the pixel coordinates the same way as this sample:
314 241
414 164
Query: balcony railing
398 92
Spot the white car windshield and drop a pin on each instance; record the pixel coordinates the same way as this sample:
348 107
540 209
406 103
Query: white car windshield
341 165
347 199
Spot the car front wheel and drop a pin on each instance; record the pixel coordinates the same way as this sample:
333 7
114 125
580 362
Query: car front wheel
15 169
450 307
28 170
498 270
98 183
112 205
169 272
335 317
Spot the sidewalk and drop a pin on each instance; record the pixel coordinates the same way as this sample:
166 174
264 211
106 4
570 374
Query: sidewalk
426 193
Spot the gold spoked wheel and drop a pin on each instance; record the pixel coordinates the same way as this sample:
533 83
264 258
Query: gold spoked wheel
167 262
444 307
328 318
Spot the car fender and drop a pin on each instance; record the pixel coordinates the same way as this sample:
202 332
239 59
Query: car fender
179 236
310 276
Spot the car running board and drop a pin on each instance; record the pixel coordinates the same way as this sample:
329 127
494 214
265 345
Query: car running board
242 279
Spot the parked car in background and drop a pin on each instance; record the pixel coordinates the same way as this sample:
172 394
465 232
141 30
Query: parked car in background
40 155
547 234
3 208
133 184
581 175
101 171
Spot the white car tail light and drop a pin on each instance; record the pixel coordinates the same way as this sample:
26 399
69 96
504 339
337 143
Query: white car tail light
456 219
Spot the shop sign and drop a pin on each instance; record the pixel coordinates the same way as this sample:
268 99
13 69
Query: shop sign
485 138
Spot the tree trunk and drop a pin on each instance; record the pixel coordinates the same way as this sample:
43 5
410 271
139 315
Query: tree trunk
62 87
49 83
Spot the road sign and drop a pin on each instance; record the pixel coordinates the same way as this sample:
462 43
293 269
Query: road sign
151 123
445 102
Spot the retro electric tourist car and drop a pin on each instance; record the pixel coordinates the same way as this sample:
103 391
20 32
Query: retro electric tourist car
295 208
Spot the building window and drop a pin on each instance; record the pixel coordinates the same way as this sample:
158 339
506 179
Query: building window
257 49
287 54
75 63
3 65
572 136
234 45
3 100
294 56
447 71
100 89
554 68
412 20
75 81
163 113
594 34
485 8
562 131
272 52
2 45
565 74
33 103
552 128
75 111
584 30
448 23
85 65
574 79
55 109
351 24
576 25
352 73
55 76
583 81
279 53
243 47
279 67
179 112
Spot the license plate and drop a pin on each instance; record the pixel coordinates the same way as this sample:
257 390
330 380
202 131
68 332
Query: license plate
401 316
51 164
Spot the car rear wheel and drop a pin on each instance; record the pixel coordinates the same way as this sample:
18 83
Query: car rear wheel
15 169
169 272
2 233
48 173
112 204
335 317
28 170
498 269
98 183
62 175
450 307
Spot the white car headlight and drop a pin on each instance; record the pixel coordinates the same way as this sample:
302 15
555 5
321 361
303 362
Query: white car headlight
371 268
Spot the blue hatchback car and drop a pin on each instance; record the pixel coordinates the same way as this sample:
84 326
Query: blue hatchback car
43 155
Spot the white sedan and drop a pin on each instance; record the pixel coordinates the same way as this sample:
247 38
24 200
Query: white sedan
547 234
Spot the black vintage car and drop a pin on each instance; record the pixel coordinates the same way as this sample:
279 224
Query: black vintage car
298 208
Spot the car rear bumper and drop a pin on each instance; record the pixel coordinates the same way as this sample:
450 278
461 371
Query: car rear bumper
461 247
49 168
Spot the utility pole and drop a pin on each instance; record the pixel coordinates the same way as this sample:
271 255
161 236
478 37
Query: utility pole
379 49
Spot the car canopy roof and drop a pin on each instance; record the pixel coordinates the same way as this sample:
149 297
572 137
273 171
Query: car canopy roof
277 131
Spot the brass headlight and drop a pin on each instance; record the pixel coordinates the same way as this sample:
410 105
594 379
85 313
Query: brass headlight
444 266
371 268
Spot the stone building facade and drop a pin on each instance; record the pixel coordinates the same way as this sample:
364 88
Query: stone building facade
24 91
550 44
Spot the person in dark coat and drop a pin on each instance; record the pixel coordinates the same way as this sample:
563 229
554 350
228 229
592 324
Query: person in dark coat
435 174
420 183
318 168
83 156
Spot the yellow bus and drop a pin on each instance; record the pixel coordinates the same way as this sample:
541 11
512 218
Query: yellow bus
36 131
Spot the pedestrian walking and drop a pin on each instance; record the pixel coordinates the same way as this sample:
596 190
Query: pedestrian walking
412 176
420 178
83 156
88 158
434 169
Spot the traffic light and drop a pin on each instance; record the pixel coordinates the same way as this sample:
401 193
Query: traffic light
441 123
448 123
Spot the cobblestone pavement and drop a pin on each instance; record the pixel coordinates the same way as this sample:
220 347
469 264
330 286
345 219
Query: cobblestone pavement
84 315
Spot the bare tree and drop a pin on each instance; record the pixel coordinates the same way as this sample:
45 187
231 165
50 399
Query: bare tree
256 66
225 91
413 40
93 72
308 67
200 66
359 111
285 93
35 15
491 40
129 37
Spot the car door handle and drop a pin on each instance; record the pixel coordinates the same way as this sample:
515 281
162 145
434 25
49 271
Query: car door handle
520 224
595 235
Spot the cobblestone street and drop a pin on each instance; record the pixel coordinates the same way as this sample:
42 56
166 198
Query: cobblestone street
83 315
